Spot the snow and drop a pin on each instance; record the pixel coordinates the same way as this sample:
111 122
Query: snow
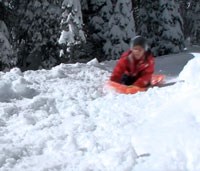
64 119
71 23
6 52
4 29
187 72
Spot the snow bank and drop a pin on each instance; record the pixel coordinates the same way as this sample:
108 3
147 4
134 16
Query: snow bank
63 120
14 86
191 71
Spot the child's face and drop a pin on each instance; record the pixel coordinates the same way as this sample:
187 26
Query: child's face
138 52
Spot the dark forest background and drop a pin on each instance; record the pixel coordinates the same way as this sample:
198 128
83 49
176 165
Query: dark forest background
39 34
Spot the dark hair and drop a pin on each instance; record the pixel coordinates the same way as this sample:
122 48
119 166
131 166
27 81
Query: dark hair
139 41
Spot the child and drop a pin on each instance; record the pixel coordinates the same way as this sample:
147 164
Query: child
136 66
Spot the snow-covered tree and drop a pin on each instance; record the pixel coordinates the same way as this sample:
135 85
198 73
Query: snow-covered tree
195 13
7 58
72 35
121 29
102 10
171 28
4 29
148 20
136 8
96 15
36 33
84 4
161 23
184 8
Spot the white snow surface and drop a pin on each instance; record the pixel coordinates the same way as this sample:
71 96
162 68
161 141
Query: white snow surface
65 119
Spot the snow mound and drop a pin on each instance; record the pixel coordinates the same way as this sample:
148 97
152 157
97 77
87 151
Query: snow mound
93 62
191 71
6 92
63 120
14 86
21 88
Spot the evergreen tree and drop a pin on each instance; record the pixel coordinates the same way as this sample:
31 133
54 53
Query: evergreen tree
148 21
121 29
184 8
72 36
36 33
102 10
172 28
7 57
161 23
84 4
136 8
195 17
99 13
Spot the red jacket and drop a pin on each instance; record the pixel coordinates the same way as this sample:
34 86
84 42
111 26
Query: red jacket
141 69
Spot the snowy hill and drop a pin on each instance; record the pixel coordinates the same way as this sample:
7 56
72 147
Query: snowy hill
64 119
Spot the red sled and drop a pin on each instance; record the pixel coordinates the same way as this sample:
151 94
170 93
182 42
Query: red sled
156 80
